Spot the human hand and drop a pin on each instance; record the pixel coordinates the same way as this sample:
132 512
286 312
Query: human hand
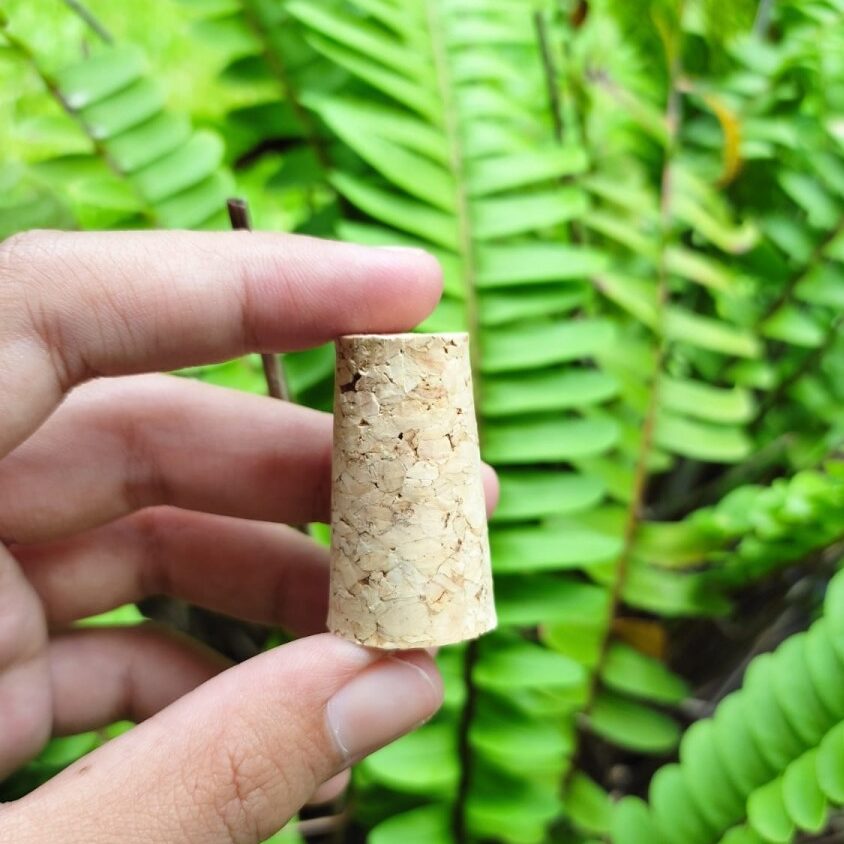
135 485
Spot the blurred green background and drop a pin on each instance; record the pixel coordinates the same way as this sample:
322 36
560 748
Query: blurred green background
639 211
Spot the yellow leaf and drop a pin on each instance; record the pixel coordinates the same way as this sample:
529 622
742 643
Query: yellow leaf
731 129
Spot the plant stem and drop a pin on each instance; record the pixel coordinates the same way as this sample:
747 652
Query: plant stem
801 272
794 376
785 296
756 466
93 23
275 61
273 371
549 67
451 127
640 476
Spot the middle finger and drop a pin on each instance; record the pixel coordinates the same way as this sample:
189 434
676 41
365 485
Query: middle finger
120 445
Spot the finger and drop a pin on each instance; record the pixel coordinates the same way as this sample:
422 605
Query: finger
122 444
236 758
330 790
24 674
100 676
77 305
117 445
266 573
492 488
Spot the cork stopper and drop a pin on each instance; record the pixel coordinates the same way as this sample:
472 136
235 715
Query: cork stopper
410 564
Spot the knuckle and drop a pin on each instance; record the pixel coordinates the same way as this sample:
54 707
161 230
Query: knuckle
152 526
270 276
23 630
146 479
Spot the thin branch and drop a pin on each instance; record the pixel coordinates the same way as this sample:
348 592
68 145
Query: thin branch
640 476
278 68
465 248
800 273
797 373
819 561
273 368
92 22
575 130
549 67
239 214
750 471
273 371
785 295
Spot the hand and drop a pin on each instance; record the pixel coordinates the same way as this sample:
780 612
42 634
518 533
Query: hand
126 487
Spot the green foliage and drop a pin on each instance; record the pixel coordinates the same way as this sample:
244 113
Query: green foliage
137 163
759 529
650 266
767 766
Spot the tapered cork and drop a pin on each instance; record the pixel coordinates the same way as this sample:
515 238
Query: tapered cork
410 564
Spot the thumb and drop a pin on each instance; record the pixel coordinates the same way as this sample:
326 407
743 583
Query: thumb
233 760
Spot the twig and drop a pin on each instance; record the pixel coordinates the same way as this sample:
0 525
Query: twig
91 21
273 369
800 273
273 372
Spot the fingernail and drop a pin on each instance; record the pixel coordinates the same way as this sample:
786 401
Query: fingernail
383 702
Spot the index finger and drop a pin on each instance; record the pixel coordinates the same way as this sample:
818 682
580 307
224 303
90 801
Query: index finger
79 305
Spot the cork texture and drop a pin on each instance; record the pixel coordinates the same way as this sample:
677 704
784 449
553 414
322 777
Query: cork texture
410 565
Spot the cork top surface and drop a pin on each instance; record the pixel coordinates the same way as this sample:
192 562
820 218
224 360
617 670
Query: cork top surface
407 336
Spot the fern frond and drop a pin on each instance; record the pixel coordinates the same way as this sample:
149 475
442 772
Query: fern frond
767 764
148 164
30 202
454 153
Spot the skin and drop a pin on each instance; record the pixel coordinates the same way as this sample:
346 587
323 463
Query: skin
116 485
